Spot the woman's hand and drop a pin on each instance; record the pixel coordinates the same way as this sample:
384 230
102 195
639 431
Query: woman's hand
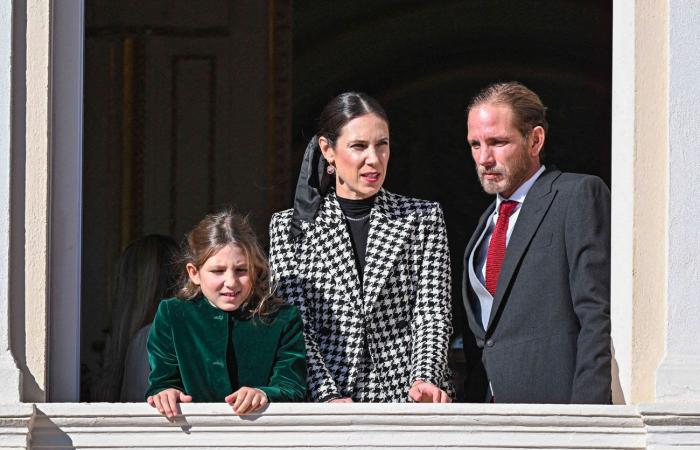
341 400
246 400
424 392
166 401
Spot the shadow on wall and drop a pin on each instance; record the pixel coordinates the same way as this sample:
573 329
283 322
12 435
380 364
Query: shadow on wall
47 435
618 396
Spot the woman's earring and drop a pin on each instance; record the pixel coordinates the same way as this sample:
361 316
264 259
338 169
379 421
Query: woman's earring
330 169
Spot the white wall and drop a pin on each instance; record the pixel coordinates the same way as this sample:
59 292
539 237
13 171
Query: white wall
9 373
679 373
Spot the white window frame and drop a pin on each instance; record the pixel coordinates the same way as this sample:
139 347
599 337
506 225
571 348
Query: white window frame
66 196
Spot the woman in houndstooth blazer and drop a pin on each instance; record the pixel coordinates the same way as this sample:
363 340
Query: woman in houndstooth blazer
369 270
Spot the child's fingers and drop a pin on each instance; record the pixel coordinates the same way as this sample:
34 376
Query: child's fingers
254 402
165 407
245 404
156 403
230 398
184 398
173 397
240 396
150 401
158 400
259 402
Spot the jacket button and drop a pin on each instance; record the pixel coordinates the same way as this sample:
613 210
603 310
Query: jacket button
489 343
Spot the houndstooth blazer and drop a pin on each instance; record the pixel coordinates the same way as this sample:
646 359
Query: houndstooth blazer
401 313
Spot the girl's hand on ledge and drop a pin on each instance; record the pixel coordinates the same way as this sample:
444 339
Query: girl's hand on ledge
424 392
246 400
341 400
166 401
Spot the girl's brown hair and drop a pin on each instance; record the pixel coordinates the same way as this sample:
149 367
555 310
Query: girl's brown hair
215 232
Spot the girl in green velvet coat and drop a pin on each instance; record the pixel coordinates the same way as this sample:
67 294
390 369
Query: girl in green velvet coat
224 337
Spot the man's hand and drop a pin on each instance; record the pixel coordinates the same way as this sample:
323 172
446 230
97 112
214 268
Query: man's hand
341 400
424 392
166 401
246 400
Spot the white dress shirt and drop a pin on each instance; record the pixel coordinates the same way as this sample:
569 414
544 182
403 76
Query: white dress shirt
486 301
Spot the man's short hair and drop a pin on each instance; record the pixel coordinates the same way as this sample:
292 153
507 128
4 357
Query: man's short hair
528 110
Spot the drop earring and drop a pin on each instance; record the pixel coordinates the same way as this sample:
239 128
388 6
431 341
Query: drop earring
330 169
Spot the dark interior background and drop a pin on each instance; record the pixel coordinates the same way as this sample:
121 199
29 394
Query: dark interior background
424 61
190 106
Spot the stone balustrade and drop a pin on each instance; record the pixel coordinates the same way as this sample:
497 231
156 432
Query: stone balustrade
356 426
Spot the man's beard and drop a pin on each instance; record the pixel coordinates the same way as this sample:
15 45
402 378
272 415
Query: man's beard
512 177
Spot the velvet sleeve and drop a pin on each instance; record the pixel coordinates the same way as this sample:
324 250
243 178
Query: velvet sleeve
165 370
288 379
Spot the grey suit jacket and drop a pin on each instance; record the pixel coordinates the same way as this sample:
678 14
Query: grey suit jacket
548 336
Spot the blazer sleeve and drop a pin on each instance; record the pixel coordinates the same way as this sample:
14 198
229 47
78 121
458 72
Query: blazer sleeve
289 286
432 320
288 380
165 370
588 252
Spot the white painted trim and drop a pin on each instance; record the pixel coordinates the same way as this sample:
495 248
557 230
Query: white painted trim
678 378
66 202
9 372
37 180
366 426
622 191
671 425
15 423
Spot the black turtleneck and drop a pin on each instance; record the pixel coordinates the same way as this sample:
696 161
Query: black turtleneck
357 217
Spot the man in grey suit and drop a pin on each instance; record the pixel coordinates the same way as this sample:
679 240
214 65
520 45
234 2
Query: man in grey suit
536 287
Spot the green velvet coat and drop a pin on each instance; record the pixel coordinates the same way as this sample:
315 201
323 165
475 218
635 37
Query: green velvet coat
187 350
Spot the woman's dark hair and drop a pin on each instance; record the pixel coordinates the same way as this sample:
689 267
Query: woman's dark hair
314 181
342 109
215 232
144 276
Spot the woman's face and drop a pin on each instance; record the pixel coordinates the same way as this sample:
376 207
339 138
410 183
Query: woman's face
360 156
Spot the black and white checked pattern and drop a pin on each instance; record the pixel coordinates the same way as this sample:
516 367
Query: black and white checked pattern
401 314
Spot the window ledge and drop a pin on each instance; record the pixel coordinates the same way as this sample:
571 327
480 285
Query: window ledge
366 426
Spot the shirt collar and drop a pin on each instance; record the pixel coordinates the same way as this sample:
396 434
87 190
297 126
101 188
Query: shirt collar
521 192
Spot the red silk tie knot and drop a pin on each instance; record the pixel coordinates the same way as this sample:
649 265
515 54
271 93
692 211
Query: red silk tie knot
497 246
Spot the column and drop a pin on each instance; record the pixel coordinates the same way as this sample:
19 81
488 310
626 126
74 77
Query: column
9 373
678 377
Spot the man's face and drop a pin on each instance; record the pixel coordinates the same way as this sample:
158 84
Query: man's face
504 157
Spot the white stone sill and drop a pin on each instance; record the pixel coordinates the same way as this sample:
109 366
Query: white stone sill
356 426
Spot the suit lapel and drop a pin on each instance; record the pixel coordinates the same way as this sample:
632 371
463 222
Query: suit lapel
475 322
533 210
387 231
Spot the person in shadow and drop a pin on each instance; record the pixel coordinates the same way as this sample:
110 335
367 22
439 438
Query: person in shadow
144 275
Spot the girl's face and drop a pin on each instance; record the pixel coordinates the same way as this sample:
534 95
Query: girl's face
360 156
224 278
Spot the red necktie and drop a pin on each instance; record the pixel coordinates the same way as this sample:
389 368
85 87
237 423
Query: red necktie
497 246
